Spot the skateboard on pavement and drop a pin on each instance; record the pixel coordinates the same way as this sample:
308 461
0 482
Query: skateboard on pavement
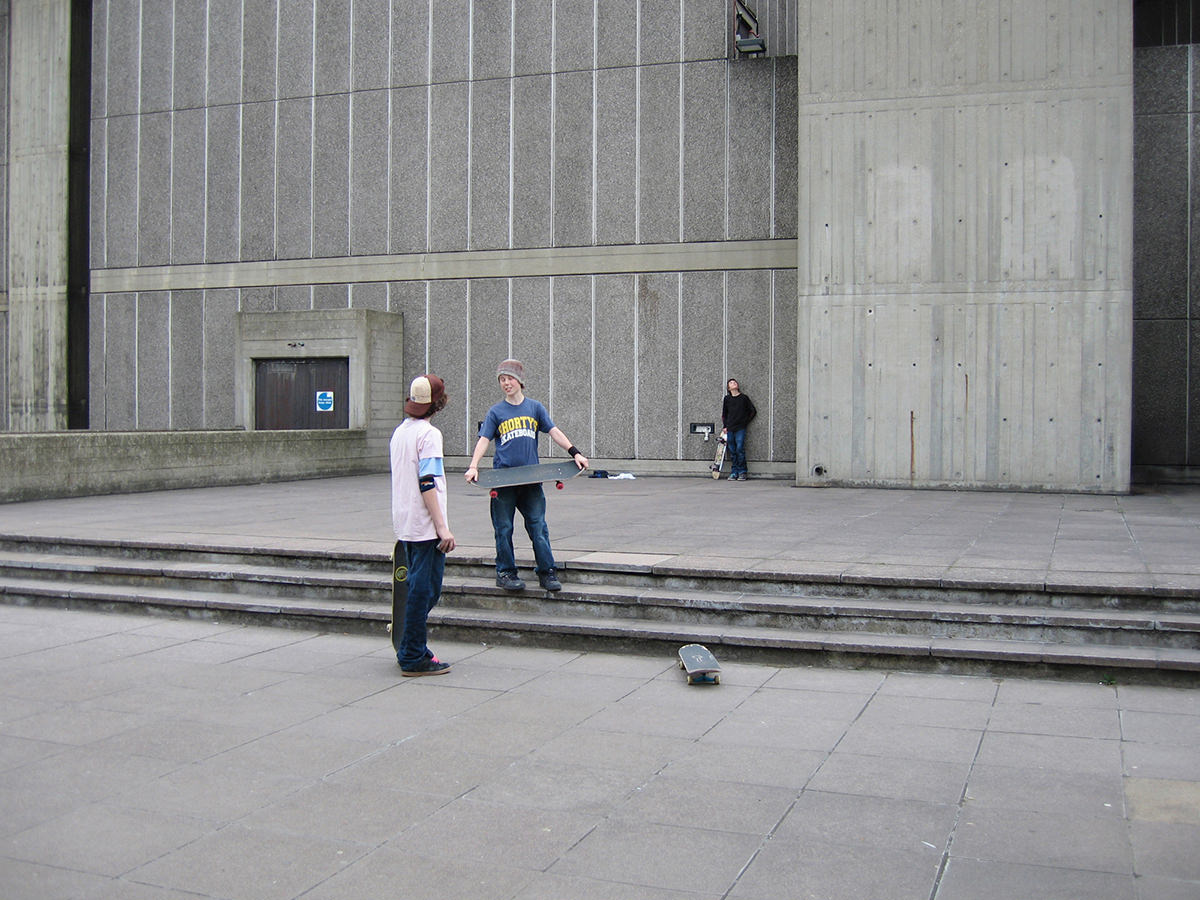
719 457
399 595
558 472
701 666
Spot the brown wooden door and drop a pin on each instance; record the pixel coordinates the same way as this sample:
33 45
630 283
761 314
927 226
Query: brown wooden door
301 393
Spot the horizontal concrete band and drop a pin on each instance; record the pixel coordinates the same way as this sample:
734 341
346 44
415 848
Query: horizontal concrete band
710 256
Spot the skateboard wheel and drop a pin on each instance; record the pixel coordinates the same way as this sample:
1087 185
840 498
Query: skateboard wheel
559 485
716 679
493 494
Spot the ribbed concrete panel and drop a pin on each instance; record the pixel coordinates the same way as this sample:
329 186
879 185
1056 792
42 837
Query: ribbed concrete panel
569 391
36 238
964 245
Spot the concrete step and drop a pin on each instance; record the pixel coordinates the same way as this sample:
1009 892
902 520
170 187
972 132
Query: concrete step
784 646
354 589
603 605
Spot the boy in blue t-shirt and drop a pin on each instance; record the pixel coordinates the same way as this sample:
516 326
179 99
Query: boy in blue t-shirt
514 424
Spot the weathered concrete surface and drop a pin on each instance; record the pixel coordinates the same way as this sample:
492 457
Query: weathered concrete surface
965 246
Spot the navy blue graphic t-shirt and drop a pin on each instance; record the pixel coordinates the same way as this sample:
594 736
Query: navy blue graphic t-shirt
515 429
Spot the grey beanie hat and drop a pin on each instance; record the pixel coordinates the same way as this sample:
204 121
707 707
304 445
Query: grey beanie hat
512 367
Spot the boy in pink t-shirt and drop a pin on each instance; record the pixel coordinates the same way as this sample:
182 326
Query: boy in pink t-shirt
419 521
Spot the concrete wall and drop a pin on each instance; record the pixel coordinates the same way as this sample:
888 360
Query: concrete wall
68 464
593 186
4 93
38 40
965 244
1166 310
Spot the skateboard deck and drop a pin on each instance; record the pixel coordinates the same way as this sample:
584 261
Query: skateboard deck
701 666
399 595
719 457
558 472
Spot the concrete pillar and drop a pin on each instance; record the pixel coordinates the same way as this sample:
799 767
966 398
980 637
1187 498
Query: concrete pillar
39 47
965 244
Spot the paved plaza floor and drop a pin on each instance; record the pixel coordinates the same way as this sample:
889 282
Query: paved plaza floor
145 757
169 759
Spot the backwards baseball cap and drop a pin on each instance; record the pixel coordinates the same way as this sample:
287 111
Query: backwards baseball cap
425 392
512 367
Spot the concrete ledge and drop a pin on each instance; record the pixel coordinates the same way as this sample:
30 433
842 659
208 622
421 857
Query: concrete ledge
82 463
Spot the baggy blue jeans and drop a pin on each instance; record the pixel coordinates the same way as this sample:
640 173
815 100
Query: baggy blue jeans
737 451
530 500
426 565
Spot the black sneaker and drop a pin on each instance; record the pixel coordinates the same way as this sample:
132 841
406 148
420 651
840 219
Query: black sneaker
549 581
509 581
426 667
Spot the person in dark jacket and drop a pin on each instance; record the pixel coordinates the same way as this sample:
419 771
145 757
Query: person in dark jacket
737 412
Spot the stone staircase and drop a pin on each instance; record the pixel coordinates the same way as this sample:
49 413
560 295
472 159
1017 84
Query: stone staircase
751 616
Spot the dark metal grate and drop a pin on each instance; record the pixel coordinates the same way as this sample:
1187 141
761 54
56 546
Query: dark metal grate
1163 23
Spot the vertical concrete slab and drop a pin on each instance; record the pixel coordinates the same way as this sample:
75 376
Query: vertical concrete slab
331 65
410 42
704 163
157 24
616 28
257 215
187 359
369 296
154 190
450 34
658 155
121 191
491 39
571 361
616 156
574 37
751 86
408 185
531 321
660 25
295 50
153 366
615 427
97 362
410 300
224 68
448 161
927 225
489 211
331 175
531 36
573 159
701 367
785 196
371 34
1160 400
122 58
189 42
748 345
219 309
658 405
368 172
487 338
223 188
293 174
706 25
189 151
259 50
531 208
782 410
36 283
120 351
446 338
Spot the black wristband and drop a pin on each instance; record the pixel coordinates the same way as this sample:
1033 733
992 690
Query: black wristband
574 451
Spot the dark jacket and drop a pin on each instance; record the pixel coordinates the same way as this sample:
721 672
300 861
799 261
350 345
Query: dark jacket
737 412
